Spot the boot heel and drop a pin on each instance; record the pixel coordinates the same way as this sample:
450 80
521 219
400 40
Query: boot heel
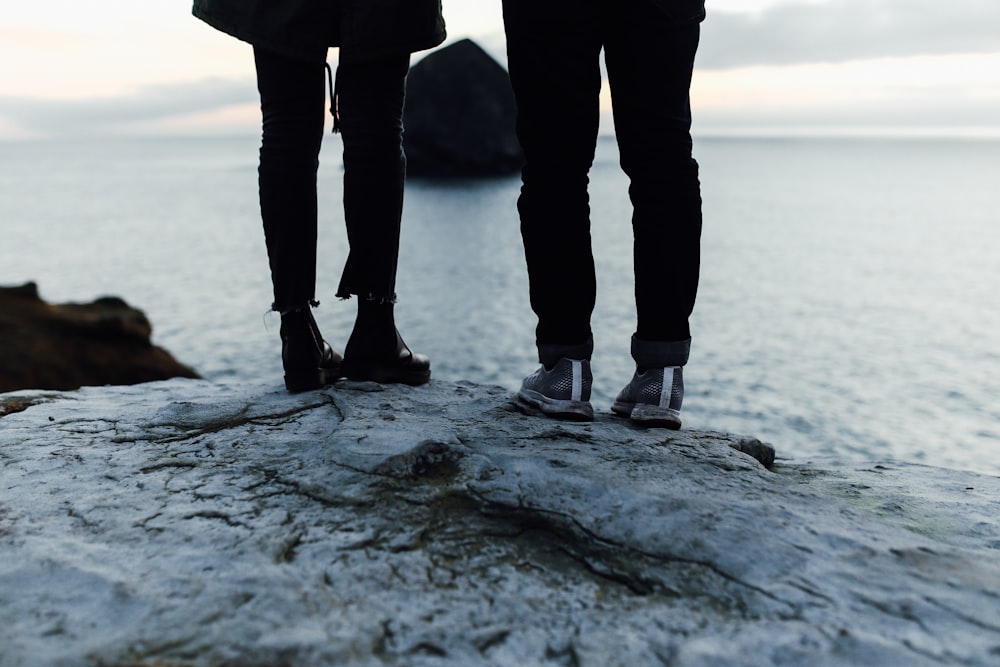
305 379
309 362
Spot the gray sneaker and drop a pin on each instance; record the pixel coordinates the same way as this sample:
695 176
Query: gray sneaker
653 398
562 392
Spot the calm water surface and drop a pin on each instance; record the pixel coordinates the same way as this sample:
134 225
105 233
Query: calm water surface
847 304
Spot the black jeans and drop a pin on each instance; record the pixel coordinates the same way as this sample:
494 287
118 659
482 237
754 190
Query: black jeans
554 61
370 107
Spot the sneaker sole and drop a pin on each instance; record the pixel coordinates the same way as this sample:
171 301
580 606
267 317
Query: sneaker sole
644 414
572 410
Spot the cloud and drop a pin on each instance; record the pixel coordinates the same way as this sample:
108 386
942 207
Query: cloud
953 94
109 114
843 30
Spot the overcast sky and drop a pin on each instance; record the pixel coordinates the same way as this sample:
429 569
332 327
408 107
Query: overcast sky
765 66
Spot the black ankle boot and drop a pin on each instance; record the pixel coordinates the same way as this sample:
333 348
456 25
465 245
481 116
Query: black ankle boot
309 362
376 352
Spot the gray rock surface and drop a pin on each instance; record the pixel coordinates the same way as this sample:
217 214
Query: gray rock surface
187 523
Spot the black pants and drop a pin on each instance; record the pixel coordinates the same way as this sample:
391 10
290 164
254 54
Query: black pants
554 60
292 100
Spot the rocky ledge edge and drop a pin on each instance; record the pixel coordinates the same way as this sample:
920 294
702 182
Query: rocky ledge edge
189 523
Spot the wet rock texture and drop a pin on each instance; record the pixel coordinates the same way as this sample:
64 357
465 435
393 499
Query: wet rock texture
186 523
66 346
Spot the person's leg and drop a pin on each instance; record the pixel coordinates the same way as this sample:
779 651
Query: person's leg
650 60
291 100
553 53
292 94
370 106
370 99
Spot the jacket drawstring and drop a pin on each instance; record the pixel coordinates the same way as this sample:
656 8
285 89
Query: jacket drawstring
334 100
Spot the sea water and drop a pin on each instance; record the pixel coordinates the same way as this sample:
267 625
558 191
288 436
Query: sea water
847 303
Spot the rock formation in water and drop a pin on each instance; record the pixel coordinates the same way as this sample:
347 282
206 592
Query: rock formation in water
189 523
65 346
460 115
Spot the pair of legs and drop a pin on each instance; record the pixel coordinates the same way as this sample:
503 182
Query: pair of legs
370 108
554 61
293 100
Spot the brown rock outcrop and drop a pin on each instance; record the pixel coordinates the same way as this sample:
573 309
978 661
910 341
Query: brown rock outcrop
67 346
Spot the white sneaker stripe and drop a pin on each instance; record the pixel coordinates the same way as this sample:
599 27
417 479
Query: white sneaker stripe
667 387
577 379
